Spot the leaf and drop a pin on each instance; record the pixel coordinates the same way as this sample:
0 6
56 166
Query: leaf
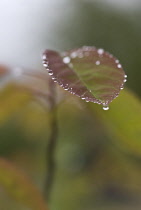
123 122
17 94
20 187
12 99
90 73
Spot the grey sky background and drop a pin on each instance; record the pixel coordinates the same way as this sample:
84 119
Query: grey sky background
28 27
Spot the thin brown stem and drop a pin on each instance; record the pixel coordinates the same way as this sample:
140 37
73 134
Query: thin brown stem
50 155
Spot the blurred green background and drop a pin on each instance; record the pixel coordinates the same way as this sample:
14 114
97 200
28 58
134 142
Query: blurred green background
98 154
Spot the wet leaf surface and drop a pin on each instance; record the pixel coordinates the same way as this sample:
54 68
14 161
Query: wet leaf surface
92 74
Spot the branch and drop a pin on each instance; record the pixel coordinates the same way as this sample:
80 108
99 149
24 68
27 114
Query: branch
50 152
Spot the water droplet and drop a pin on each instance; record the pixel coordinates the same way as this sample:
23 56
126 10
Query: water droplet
83 98
87 101
44 57
117 61
125 76
121 88
66 60
125 80
97 62
45 64
73 55
119 66
105 108
66 87
100 51
50 73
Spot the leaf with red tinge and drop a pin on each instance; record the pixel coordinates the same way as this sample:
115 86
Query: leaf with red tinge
4 70
92 74
19 186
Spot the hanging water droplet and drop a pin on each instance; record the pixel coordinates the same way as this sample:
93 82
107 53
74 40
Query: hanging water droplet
119 66
100 51
117 61
105 108
125 76
66 87
83 98
45 64
50 73
97 62
122 88
44 57
125 80
66 60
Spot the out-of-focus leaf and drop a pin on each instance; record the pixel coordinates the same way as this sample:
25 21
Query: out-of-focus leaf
20 187
123 121
12 99
4 70
90 165
90 73
29 120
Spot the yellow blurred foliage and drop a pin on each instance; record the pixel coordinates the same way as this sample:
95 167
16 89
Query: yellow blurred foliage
20 187
11 101
123 121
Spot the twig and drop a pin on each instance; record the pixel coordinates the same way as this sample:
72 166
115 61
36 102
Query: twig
50 159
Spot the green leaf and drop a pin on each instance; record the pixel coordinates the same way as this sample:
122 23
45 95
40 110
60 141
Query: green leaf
123 121
90 73
18 185
12 98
